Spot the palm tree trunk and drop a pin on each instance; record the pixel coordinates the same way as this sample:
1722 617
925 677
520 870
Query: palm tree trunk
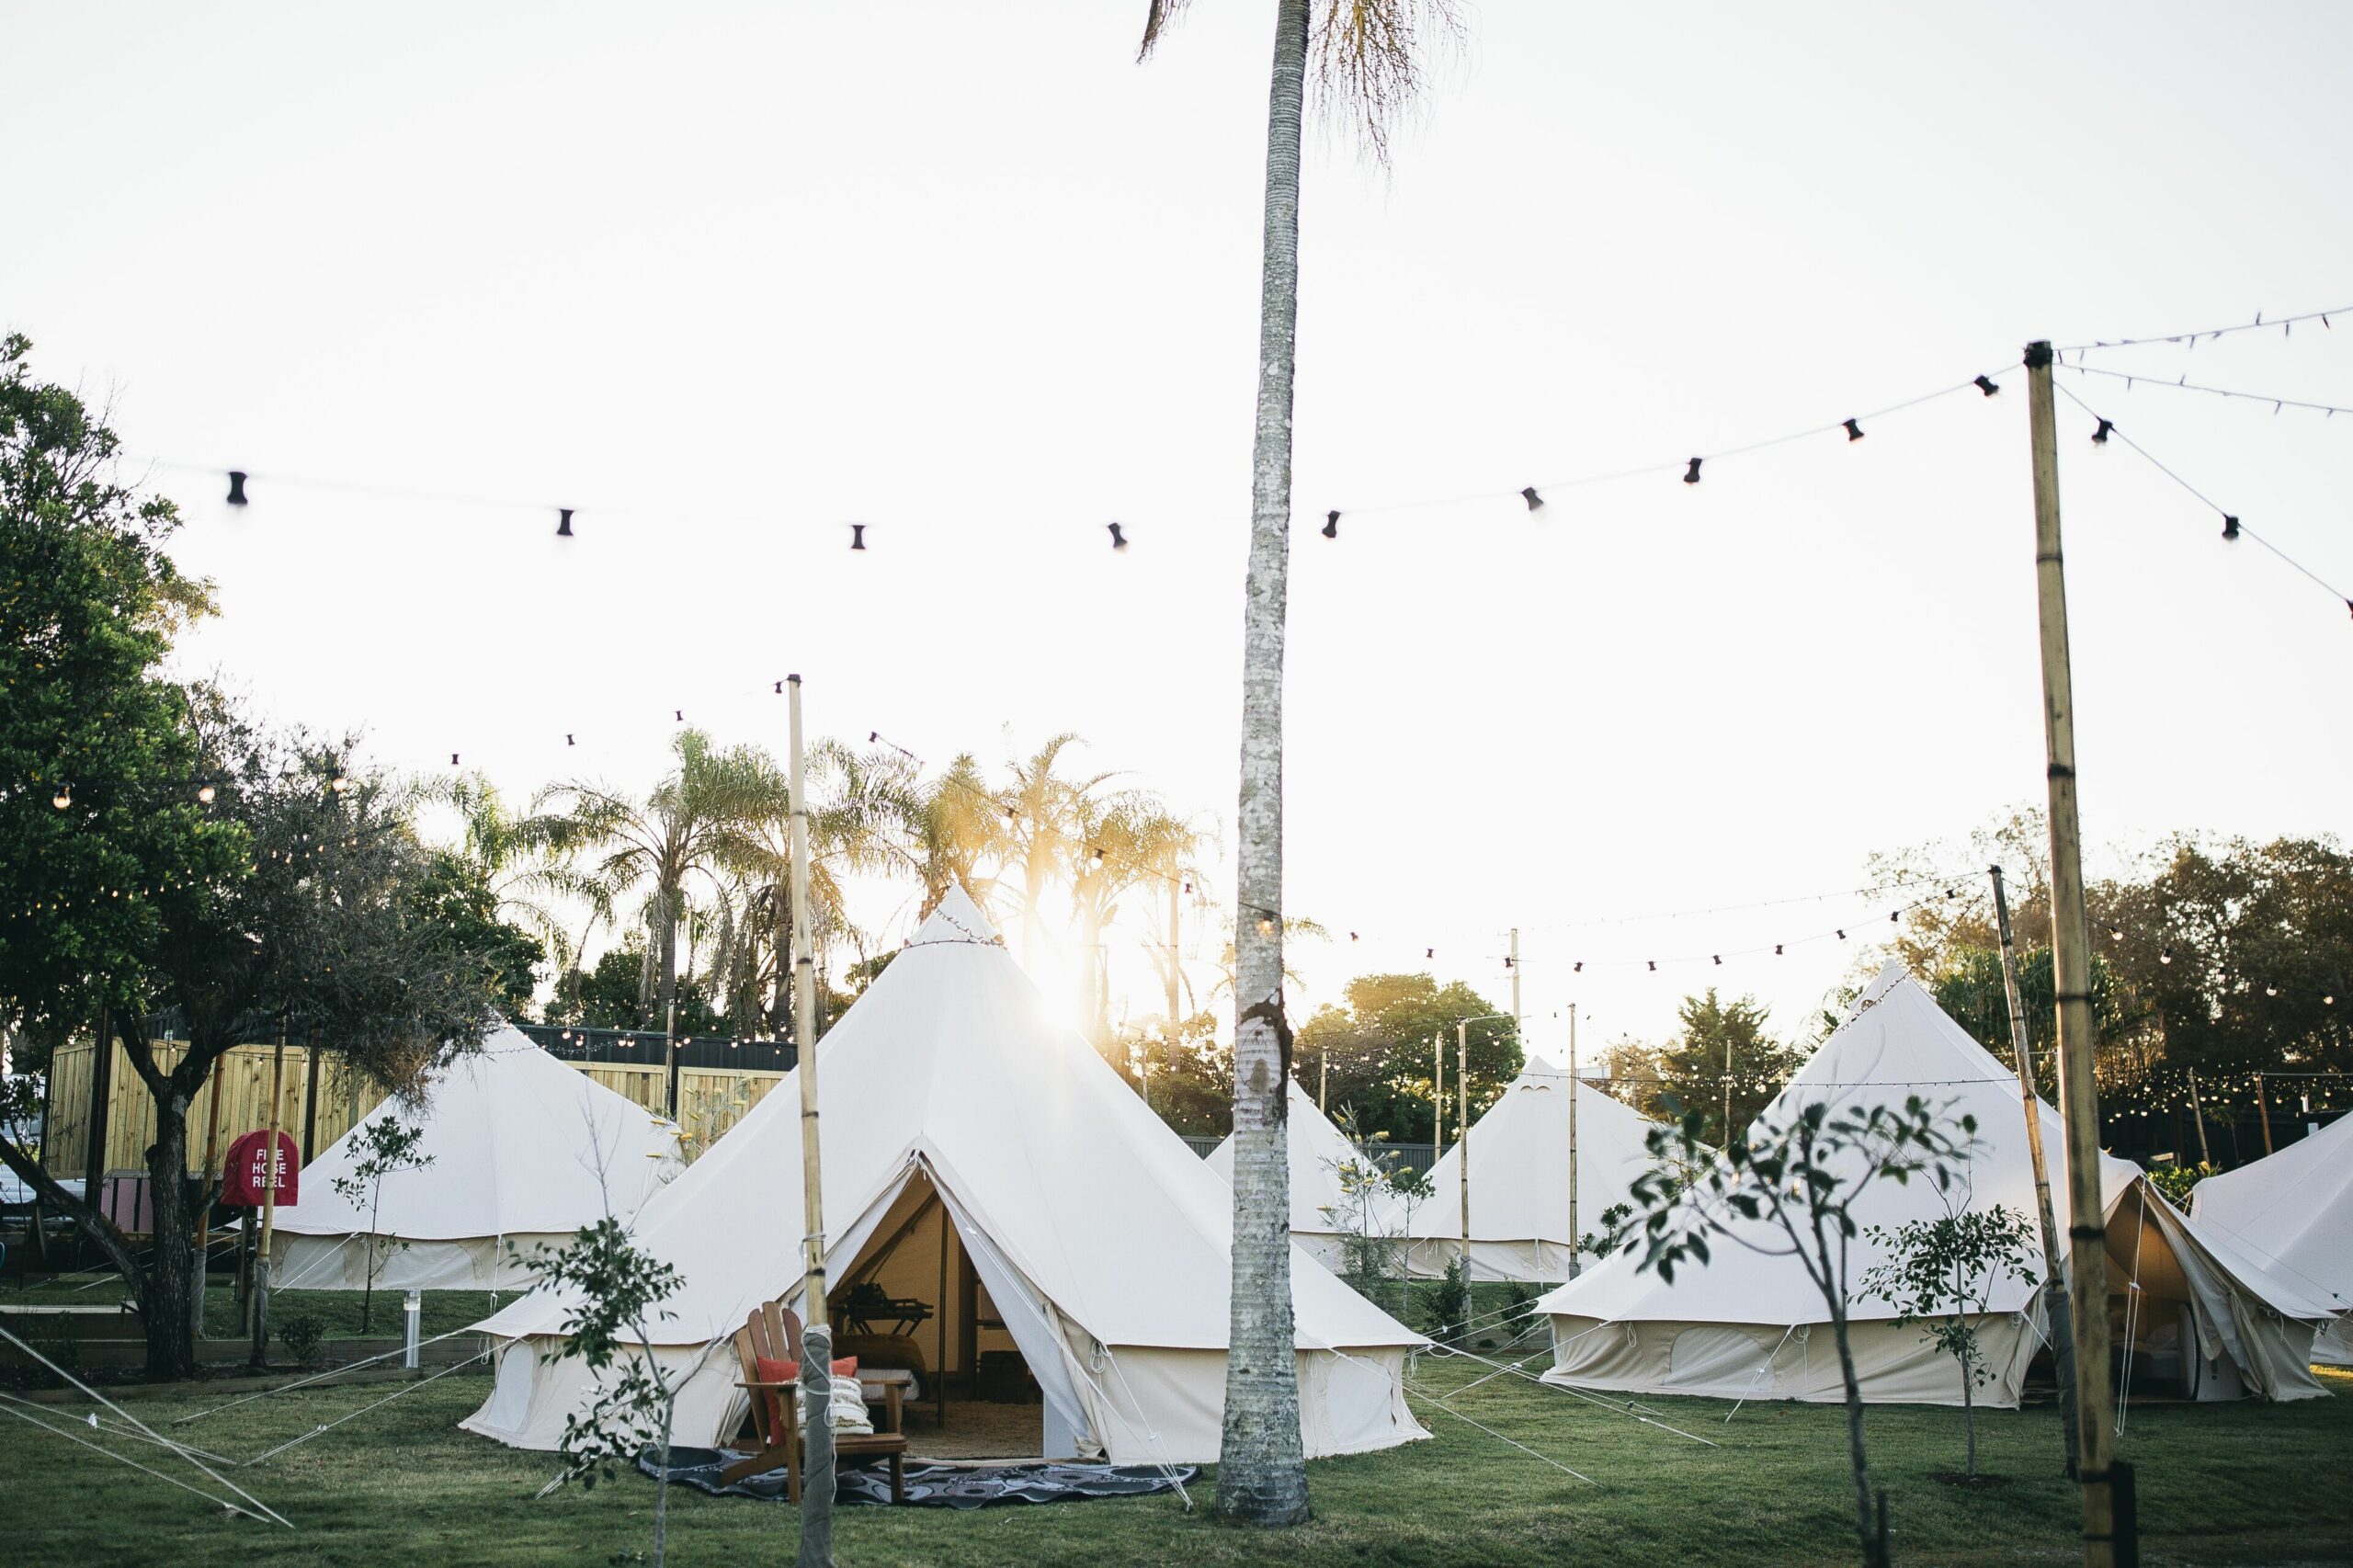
1262 1470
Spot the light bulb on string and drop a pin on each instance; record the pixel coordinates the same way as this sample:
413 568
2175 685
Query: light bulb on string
204 795
64 798
1987 384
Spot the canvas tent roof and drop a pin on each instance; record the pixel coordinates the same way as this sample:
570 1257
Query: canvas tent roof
518 1146
2293 1209
1520 1178
1898 1043
1317 1151
1094 1228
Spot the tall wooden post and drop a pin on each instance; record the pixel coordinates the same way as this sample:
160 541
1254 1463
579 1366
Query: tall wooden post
2263 1109
2197 1117
1462 1140
94 1154
211 1175
2107 1537
269 1197
1438 1097
1576 1243
2054 1275
817 1334
311 1093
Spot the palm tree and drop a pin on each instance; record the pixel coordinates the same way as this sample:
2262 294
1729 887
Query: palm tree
526 858
1128 840
694 830
1367 64
1044 834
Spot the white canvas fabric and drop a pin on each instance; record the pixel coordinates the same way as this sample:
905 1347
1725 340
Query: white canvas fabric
2293 1209
1101 1240
2212 1321
1317 1152
523 1150
1519 1180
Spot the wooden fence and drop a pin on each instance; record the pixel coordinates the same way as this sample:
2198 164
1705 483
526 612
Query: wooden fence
710 1100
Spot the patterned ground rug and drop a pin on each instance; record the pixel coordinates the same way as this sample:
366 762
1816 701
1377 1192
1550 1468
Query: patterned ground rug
935 1485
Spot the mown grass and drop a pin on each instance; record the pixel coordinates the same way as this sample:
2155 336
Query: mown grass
2218 1484
336 1311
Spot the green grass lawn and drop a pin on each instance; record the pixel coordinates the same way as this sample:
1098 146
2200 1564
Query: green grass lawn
338 1312
2218 1484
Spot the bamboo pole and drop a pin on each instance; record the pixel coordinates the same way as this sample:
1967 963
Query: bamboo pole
817 1334
2263 1107
1462 1144
1437 1099
2055 1273
2108 1534
211 1174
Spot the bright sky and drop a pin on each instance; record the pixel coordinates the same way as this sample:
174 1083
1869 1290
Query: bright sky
725 278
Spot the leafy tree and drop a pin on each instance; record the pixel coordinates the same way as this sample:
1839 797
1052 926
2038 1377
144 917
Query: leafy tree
1188 1077
1786 1187
1374 1185
1377 1049
156 850
1722 1045
1942 1273
384 1146
1368 58
454 898
614 1293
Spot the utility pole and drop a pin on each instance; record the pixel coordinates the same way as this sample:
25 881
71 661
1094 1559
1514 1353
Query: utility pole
1463 1139
2110 1533
1576 1245
816 1335
2054 1275
2198 1115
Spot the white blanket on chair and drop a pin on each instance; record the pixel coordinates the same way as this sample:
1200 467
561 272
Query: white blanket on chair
846 1410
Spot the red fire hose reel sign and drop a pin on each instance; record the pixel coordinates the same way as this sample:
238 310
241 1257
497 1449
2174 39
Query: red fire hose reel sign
250 1173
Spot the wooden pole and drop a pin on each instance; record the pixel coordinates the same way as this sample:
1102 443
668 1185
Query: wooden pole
310 1093
1462 1141
1576 1246
94 1152
817 1334
269 1197
2070 963
1515 983
1438 1099
2055 1273
211 1174
2263 1107
2197 1117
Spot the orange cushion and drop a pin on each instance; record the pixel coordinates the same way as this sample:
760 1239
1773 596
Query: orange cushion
773 1372
789 1371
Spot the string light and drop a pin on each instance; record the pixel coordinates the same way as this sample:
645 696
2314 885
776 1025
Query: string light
2100 436
2184 384
563 522
1854 431
1987 384
236 487
1332 525
1535 502
2285 323
1692 475
62 799
204 795
1118 540
857 535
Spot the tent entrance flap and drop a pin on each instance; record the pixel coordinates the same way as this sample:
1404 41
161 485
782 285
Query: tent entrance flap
1029 1319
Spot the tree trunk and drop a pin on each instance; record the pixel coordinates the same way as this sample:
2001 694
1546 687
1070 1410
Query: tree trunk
1262 1468
1855 1454
165 1294
668 986
1969 1412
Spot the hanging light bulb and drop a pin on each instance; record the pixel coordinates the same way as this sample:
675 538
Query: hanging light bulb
64 798
1986 384
1266 926
2100 436
204 795
2115 933
1332 525
1854 431
2271 991
2165 957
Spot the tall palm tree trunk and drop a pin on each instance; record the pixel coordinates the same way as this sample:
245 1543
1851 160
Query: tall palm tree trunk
1262 1471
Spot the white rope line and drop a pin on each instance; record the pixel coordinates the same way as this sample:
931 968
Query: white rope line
1498 1437
73 1437
321 1431
218 1478
119 1431
1150 1434
1631 1407
2132 1321
319 1377
1760 1372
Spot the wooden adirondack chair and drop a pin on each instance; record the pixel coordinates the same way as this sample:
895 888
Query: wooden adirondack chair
773 1333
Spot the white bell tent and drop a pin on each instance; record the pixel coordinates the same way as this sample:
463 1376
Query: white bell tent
523 1150
2294 1211
1519 1180
1319 1210
2200 1317
994 1179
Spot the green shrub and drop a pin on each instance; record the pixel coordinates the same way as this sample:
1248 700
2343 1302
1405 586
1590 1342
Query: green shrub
301 1333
